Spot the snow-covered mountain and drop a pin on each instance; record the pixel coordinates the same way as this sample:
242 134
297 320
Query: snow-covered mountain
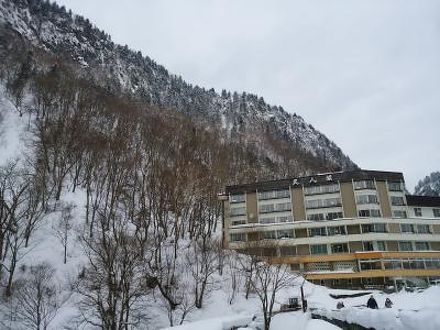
429 186
245 118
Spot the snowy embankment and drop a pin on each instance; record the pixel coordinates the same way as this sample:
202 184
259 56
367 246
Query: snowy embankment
409 311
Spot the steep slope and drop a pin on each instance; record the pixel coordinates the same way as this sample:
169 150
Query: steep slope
245 118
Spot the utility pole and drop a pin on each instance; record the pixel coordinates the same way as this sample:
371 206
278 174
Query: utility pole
303 301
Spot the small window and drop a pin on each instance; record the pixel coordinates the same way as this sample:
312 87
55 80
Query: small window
399 214
407 228
238 237
338 230
239 198
368 246
317 231
364 184
269 235
436 213
395 186
423 229
288 233
374 213
381 246
366 199
318 249
422 246
339 248
237 211
397 201
405 246
417 211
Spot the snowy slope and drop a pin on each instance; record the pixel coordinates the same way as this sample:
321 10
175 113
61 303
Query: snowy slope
245 117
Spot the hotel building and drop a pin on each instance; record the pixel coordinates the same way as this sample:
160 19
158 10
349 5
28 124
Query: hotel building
343 229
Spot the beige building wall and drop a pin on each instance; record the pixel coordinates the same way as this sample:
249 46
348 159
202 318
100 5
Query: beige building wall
393 228
392 246
299 210
384 199
303 250
436 229
354 229
251 207
348 200
435 246
299 233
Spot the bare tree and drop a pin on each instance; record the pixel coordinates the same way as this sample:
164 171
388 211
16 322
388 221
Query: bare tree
63 227
267 281
37 298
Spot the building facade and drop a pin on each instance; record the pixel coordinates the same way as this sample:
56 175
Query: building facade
342 229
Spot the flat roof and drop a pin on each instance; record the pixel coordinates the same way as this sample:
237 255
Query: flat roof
427 201
319 179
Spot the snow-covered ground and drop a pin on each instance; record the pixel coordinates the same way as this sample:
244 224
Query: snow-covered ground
410 309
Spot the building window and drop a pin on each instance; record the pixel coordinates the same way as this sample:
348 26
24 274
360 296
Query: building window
392 264
288 233
395 186
417 211
286 218
340 248
318 249
271 194
238 237
334 215
370 264
338 230
381 246
373 213
269 234
366 199
237 211
282 219
422 246
267 220
323 203
320 231
238 198
397 201
279 207
323 189
316 217
374 228
405 246
436 213
325 216
423 229
238 222
364 184
407 228
368 246
399 214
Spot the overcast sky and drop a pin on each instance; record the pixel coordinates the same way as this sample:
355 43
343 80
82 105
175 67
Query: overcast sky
365 73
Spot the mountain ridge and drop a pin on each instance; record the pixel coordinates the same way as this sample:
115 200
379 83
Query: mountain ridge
245 118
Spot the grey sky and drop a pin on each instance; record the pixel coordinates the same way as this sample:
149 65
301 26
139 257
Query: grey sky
365 73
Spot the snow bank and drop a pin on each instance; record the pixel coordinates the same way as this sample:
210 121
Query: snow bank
224 323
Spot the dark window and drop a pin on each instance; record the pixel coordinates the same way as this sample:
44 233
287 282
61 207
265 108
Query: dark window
339 248
418 211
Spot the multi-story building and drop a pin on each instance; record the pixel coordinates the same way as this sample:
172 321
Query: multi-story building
348 229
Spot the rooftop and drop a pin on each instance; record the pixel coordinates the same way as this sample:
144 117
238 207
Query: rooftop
324 178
